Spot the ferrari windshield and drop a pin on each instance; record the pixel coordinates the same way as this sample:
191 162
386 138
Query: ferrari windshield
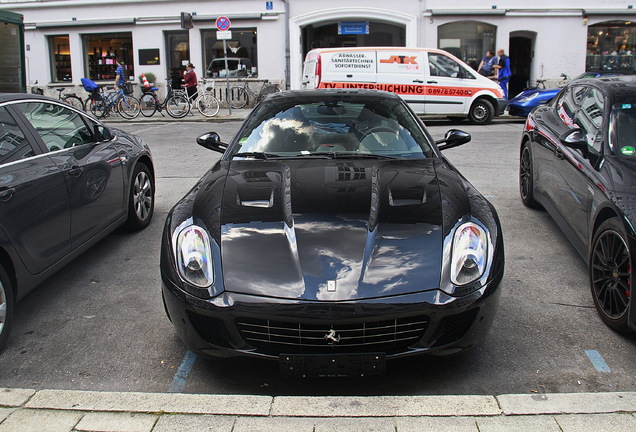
344 128
623 129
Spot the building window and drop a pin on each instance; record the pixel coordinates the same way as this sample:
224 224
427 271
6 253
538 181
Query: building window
60 58
467 40
610 47
326 35
102 49
178 49
241 46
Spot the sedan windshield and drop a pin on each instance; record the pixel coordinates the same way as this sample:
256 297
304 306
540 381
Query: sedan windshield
623 130
333 128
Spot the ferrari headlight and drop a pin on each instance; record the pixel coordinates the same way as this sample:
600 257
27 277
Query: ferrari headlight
529 97
469 255
194 256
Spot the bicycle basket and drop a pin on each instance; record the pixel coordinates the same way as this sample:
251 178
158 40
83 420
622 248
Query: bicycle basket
128 88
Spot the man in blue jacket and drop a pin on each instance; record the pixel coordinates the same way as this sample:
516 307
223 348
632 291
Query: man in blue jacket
504 72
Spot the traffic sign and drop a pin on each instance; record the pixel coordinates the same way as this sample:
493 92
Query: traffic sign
224 35
223 23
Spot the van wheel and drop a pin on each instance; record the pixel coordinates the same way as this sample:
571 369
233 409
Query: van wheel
481 112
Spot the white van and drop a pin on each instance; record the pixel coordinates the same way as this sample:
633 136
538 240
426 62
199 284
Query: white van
431 81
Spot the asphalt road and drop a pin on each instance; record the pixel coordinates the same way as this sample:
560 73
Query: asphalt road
99 323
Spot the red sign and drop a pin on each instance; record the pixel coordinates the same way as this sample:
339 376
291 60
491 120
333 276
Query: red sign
223 23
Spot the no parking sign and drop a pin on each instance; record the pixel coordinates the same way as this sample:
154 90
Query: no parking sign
223 23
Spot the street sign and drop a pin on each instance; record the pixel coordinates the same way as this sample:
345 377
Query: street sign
224 35
223 23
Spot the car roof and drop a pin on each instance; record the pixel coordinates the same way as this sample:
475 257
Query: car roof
625 85
8 97
352 95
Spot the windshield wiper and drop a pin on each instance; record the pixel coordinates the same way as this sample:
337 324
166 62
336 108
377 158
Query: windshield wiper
257 155
341 155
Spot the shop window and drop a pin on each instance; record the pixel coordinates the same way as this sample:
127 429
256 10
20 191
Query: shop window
178 48
241 49
60 58
610 47
103 49
467 40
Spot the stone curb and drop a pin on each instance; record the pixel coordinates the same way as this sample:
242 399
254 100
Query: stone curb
321 406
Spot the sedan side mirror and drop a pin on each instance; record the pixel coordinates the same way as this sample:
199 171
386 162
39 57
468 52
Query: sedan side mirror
453 138
574 138
212 141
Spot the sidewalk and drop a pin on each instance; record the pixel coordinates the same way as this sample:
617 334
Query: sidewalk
193 116
27 410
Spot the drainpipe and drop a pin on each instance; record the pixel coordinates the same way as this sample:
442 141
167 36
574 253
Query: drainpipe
287 49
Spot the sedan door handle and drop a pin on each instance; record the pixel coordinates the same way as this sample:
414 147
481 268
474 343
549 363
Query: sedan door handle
6 194
75 172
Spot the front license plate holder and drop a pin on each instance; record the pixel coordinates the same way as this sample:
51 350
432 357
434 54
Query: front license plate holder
332 365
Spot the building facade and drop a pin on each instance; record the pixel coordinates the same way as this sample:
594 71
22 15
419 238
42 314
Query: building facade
66 40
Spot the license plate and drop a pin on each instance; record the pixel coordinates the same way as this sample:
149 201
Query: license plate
332 365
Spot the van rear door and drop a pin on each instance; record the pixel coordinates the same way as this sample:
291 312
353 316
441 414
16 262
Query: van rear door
402 72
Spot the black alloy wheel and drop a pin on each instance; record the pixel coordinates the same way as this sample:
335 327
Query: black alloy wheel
526 183
611 274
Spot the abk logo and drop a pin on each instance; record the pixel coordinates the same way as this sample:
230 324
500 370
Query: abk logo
400 60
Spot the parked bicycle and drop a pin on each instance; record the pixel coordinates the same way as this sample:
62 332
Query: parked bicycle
175 103
239 96
70 98
100 103
206 103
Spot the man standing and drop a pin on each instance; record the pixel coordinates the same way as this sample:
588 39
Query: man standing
120 73
504 72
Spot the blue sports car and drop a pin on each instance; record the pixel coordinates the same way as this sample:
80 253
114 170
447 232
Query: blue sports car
527 100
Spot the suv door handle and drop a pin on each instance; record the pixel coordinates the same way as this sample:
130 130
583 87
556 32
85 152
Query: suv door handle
6 194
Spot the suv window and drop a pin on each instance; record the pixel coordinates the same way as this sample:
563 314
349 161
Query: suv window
13 144
59 127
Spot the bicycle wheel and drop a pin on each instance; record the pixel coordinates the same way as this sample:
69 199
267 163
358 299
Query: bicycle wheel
74 101
177 106
208 105
238 97
148 105
96 107
129 107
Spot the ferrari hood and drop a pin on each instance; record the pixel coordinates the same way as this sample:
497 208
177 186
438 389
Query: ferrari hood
331 231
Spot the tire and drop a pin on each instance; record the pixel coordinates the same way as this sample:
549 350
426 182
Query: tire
177 106
96 107
6 307
74 101
148 105
141 201
610 274
526 179
481 112
208 105
129 107
238 97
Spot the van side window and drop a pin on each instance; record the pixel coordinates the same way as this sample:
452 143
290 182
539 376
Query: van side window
443 66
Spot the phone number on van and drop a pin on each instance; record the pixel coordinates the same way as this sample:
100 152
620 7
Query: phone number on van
403 89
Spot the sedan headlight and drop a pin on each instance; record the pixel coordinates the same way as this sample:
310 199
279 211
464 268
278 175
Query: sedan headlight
194 256
470 254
